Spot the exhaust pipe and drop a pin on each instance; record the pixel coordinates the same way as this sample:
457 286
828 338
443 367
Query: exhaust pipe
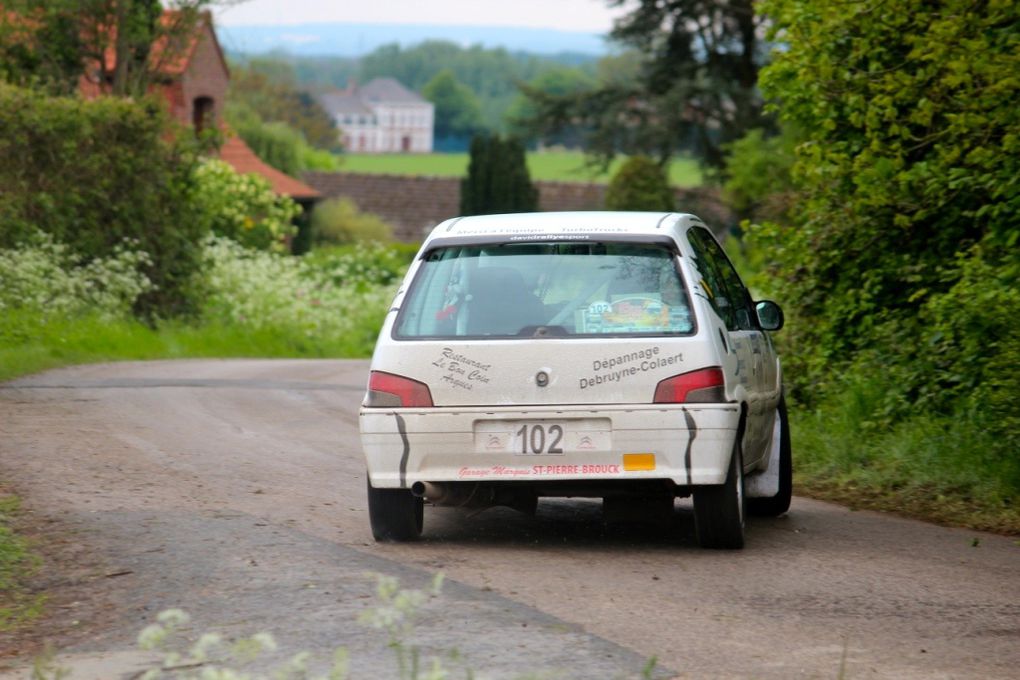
468 495
471 495
425 490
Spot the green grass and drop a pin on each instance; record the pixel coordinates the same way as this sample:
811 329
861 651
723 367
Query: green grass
562 166
941 469
17 563
41 344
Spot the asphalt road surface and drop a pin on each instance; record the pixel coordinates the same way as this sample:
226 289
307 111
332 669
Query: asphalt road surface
235 490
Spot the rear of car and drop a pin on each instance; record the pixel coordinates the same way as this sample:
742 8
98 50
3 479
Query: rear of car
550 355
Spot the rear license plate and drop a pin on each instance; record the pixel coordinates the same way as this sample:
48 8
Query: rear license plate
543 437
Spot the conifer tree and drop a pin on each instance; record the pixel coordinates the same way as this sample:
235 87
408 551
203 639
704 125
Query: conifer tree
498 180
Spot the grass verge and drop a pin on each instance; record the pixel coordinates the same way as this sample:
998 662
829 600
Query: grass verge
17 563
559 166
42 344
937 469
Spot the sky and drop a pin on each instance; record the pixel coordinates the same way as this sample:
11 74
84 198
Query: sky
589 16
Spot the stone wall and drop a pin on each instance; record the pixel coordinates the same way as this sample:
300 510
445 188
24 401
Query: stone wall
413 205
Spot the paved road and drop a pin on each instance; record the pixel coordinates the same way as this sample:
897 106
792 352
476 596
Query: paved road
235 489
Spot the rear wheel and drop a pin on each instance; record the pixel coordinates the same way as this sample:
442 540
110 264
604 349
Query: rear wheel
395 514
719 509
780 503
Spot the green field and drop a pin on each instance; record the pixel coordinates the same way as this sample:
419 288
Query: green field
562 166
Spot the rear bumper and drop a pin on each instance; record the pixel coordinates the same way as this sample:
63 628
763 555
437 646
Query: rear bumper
687 444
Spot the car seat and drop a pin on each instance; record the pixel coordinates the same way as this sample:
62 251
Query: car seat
500 303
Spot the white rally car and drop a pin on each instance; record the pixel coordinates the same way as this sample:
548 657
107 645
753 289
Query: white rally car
589 354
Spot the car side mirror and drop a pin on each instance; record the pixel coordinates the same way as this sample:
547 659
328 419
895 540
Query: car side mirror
770 316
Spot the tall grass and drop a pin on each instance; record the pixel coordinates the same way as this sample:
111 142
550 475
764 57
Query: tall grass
941 469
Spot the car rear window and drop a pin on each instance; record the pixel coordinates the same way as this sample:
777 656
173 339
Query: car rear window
546 289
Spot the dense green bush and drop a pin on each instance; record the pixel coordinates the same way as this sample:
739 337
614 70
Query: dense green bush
498 180
94 173
640 184
912 155
898 264
244 207
757 182
275 143
278 144
338 220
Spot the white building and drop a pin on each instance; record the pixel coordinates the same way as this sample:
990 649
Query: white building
381 116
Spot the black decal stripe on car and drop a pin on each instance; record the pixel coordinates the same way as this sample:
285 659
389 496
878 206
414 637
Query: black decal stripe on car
402 429
692 428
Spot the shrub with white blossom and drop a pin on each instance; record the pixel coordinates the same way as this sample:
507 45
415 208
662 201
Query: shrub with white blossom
362 264
262 290
47 278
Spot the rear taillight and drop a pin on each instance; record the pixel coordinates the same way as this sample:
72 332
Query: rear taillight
388 390
705 385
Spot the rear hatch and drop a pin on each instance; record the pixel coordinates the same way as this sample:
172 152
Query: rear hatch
545 323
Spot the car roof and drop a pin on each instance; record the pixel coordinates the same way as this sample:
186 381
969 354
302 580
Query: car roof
565 223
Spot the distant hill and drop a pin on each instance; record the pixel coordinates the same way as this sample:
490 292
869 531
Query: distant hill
353 40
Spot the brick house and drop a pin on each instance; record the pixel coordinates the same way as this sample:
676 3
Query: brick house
381 116
195 81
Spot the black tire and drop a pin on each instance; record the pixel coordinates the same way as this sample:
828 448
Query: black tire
780 503
395 514
719 508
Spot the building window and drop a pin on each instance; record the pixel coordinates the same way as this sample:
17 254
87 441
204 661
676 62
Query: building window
202 110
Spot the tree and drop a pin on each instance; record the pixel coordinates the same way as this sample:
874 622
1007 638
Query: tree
697 84
640 184
122 45
491 74
268 88
497 179
557 81
457 113
40 46
619 68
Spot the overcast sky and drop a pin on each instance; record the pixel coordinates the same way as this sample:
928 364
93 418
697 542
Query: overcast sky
591 16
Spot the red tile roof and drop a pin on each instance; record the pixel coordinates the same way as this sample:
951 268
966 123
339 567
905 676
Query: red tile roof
239 156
